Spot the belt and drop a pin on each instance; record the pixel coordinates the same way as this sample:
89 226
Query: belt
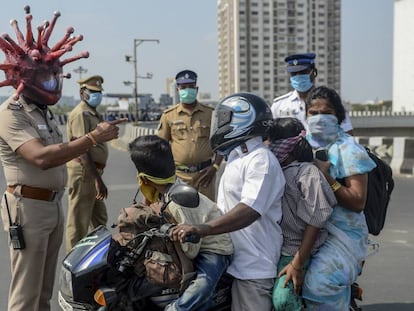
98 165
35 193
193 168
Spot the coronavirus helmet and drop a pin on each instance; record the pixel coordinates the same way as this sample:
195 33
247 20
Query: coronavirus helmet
31 66
236 119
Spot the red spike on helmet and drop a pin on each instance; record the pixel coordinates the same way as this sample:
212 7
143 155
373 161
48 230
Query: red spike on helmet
33 68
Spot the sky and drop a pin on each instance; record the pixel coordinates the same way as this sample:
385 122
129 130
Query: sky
187 34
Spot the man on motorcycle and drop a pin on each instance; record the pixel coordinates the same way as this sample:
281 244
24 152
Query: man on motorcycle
250 195
154 161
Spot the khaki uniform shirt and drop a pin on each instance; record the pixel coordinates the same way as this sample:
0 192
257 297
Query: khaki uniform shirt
82 120
188 132
21 122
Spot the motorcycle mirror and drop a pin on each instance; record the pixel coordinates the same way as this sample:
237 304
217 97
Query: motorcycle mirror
184 195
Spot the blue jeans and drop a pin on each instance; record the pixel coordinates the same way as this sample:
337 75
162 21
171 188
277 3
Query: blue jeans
198 295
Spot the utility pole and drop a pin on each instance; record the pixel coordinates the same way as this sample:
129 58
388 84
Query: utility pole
137 42
80 70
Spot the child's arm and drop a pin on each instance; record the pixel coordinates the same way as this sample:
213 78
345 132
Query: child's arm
294 270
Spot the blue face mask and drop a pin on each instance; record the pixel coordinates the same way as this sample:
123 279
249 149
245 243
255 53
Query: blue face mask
301 83
50 85
188 95
323 129
94 99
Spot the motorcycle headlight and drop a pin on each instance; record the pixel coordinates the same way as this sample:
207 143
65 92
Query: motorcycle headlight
65 280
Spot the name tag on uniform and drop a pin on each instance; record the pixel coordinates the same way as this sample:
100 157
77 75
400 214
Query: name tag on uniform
42 126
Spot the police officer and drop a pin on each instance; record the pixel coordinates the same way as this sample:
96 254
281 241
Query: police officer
33 155
303 72
187 127
87 190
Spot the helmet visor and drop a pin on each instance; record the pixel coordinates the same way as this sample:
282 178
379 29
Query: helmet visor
219 118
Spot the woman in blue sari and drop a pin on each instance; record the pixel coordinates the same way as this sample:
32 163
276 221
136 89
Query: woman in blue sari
338 262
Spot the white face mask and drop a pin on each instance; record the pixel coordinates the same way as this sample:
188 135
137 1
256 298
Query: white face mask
323 129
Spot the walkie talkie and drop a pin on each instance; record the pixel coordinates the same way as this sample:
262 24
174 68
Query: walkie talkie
15 230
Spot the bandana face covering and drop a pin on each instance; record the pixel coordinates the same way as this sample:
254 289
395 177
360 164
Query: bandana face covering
149 192
281 148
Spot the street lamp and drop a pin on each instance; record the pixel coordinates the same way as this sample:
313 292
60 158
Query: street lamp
148 75
133 60
80 70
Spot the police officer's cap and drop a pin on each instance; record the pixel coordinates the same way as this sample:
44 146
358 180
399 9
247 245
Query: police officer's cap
299 62
93 83
186 77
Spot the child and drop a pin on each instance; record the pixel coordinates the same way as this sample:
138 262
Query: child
306 206
154 161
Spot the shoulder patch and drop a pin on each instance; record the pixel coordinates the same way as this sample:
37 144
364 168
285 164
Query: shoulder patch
15 106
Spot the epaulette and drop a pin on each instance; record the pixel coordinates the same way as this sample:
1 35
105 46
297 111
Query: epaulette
87 113
170 109
207 106
15 105
282 96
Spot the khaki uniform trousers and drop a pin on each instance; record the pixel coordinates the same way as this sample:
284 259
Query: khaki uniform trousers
84 210
193 179
43 224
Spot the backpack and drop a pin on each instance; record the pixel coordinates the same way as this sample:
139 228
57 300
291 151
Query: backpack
380 187
162 262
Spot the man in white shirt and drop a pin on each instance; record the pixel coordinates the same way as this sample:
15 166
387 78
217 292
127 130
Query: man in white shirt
249 195
303 73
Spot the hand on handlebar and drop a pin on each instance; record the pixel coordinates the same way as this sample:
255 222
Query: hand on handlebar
185 233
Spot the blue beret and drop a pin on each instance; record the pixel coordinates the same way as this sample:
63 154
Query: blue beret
186 77
299 62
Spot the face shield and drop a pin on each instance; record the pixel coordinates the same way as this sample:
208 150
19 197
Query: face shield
43 85
48 81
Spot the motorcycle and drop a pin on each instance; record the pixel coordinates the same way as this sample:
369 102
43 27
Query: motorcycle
98 273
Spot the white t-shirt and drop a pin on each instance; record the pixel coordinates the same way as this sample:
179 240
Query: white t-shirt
291 105
256 179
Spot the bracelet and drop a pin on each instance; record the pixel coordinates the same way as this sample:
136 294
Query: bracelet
216 166
295 267
335 186
91 138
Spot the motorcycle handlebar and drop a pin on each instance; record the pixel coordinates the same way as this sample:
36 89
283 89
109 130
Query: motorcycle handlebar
164 232
192 238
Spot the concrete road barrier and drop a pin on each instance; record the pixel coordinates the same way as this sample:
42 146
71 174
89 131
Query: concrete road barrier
396 151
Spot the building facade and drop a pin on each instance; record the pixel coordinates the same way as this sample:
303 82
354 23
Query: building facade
255 36
403 78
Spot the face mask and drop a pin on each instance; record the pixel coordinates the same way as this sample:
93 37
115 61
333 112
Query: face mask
301 83
323 129
149 192
94 99
50 85
188 95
